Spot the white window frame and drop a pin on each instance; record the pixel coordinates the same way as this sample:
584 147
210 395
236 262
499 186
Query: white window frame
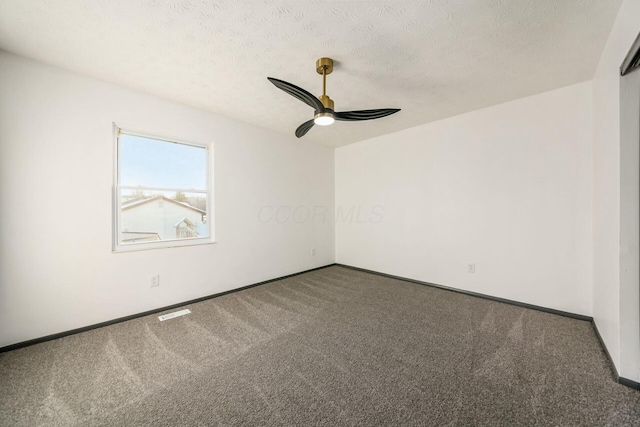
170 243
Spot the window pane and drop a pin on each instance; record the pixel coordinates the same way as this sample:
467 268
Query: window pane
155 163
150 216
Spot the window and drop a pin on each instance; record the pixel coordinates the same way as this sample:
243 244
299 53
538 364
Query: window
161 192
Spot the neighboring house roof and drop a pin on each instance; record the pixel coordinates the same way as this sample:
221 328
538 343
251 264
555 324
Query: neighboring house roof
185 220
136 202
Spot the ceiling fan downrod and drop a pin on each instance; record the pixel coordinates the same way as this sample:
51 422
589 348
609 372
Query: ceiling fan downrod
324 66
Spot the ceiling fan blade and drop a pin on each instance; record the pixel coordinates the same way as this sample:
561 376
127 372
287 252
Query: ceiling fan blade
304 128
365 114
299 93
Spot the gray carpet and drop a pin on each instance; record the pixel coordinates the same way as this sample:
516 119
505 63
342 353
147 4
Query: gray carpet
333 347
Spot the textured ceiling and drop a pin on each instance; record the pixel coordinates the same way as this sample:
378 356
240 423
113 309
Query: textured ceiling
433 59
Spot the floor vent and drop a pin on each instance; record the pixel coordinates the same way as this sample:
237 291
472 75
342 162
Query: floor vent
174 314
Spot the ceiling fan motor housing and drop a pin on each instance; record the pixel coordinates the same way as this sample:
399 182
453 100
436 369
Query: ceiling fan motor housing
327 102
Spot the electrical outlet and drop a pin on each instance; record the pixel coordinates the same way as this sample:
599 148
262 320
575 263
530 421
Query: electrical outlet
313 251
472 268
155 280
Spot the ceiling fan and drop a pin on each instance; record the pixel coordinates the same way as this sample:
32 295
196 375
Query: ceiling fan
323 105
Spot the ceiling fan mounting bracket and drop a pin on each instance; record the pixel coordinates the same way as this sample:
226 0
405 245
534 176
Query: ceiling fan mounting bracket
324 66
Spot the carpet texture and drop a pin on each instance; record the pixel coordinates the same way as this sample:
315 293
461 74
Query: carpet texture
334 347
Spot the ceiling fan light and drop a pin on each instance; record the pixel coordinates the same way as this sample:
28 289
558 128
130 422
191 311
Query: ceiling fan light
323 119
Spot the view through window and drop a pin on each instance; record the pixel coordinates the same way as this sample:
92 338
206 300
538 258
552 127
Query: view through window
162 192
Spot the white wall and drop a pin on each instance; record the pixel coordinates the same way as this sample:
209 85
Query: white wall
56 163
612 288
507 188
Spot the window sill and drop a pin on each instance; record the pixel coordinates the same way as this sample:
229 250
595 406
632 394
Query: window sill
162 245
